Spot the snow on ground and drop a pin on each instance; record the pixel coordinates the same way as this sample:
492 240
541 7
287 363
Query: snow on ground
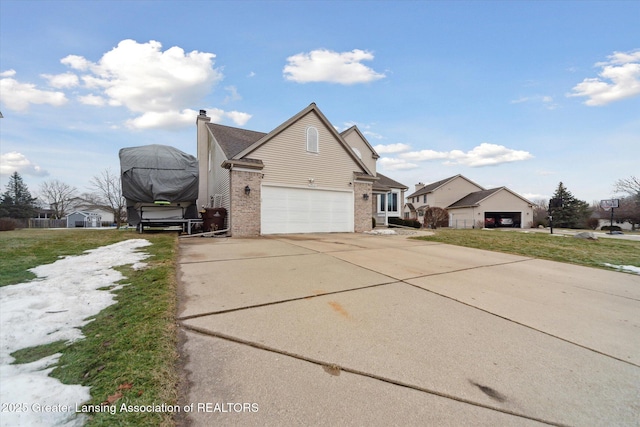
628 268
54 307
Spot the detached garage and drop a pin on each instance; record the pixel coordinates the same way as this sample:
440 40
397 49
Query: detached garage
497 207
301 210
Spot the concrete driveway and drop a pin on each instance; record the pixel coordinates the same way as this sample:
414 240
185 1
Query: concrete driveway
357 329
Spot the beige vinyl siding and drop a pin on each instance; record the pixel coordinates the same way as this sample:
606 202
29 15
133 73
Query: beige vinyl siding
505 201
218 177
450 192
501 201
354 140
287 162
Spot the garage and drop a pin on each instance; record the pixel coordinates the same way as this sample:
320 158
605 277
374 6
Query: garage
300 210
502 219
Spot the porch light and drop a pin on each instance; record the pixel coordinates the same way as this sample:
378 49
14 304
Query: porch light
365 196
247 190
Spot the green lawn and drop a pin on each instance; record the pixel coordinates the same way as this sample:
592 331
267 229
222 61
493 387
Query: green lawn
130 349
545 246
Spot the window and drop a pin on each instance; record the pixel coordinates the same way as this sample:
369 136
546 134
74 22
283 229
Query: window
381 202
312 140
425 199
392 205
388 202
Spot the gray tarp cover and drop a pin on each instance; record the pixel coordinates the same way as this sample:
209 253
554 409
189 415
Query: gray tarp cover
158 172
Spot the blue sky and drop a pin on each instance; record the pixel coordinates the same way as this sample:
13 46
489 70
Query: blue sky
518 94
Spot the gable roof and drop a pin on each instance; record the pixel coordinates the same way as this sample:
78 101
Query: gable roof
474 199
238 143
354 128
233 140
435 185
385 183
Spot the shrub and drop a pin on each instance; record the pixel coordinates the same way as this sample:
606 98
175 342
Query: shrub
435 217
7 224
405 222
610 228
396 221
593 223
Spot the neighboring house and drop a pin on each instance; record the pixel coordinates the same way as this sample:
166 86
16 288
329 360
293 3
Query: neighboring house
301 177
438 194
84 219
470 205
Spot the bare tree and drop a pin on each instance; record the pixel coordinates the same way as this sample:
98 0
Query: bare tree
58 196
108 195
435 217
630 186
540 213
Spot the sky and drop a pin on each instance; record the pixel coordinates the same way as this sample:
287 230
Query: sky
522 94
46 310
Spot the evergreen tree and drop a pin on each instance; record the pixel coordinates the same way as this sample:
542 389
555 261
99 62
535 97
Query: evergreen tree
567 211
16 200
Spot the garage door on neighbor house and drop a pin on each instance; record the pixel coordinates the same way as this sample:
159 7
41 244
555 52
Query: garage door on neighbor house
299 210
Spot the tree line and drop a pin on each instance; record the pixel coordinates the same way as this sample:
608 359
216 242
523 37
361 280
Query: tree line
569 212
59 198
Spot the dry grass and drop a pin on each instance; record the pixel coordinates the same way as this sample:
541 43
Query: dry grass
545 246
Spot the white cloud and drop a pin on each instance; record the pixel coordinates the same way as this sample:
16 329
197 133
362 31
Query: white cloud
163 120
144 79
391 148
8 73
159 86
324 65
76 62
18 96
96 101
18 162
484 154
619 79
387 163
238 117
426 155
61 81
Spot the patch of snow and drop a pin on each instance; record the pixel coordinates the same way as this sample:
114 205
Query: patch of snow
54 307
629 268
385 231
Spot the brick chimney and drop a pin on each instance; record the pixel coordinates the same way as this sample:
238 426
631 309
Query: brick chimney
419 186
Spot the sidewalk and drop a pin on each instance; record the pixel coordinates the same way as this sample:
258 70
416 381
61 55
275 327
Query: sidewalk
353 329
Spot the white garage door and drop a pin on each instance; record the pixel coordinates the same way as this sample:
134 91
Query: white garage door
296 210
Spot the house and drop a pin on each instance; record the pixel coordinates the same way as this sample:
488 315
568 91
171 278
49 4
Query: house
470 205
301 177
84 219
438 194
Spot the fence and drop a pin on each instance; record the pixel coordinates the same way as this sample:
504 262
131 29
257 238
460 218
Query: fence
46 223
463 223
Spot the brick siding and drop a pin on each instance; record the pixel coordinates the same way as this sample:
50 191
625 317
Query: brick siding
245 209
